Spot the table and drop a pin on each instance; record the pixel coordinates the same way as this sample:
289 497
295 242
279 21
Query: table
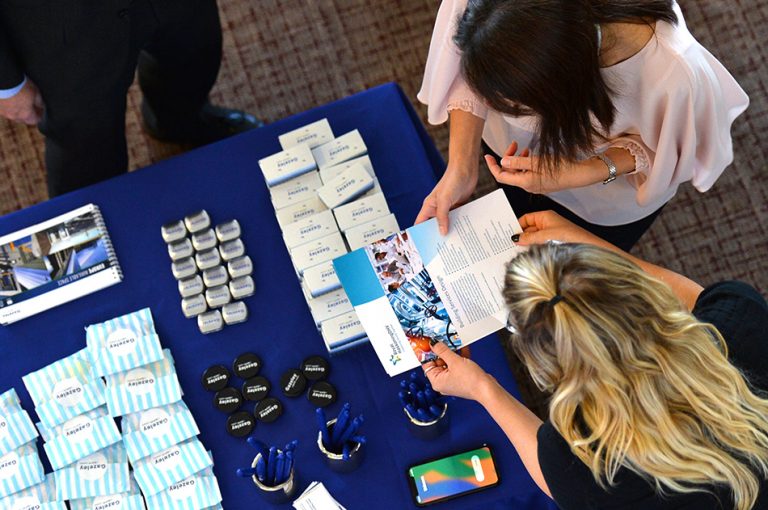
224 179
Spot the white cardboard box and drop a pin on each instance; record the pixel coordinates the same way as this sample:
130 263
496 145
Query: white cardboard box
318 251
309 229
347 146
296 212
313 135
328 173
329 305
365 234
320 279
287 164
295 190
345 187
341 330
361 211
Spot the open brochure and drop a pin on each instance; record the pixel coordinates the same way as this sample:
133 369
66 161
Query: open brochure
417 286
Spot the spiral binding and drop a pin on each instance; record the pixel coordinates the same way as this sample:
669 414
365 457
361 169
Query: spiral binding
114 263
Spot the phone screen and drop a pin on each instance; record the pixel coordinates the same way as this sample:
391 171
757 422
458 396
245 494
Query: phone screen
453 476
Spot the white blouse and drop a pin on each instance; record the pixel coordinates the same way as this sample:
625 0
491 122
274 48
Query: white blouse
675 104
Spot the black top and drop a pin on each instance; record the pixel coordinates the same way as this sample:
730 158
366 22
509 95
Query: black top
740 313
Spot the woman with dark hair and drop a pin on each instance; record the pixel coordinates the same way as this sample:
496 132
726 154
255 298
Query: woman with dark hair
600 108
658 387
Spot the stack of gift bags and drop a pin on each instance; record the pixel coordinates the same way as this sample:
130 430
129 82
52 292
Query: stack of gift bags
122 373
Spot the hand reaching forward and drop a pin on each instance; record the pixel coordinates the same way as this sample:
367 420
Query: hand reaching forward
26 106
460 377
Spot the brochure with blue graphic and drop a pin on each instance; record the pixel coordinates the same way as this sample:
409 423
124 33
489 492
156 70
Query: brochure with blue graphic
54 262
417 286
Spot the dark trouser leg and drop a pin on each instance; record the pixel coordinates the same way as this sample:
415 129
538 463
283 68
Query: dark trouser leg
178 68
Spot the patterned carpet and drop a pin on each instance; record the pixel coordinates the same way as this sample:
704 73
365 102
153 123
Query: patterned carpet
284 56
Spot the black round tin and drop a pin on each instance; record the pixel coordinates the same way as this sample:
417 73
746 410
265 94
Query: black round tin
322 394
268 410
215 378
293 383
240 424
256 388
315 368
246 365
228 400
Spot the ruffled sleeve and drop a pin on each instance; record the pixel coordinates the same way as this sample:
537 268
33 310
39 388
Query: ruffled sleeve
443 88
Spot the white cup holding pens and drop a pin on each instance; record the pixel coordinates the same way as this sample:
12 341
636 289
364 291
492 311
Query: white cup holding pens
273 472
427 415
339 440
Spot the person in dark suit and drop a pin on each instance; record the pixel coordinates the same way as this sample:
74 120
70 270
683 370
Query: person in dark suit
66 66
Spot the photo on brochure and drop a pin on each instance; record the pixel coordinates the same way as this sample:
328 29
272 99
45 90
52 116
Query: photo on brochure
50 255
412 295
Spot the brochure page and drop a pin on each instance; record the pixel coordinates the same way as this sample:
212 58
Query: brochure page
418 287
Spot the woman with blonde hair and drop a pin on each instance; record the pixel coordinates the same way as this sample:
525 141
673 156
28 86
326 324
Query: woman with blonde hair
657 385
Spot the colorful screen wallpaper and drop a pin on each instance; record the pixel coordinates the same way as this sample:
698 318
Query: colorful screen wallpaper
450 476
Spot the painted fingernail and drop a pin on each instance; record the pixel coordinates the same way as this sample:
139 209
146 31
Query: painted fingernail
515 238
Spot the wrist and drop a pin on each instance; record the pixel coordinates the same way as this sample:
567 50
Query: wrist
486 390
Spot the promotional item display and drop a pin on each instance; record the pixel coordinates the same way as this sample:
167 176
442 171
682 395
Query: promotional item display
450 477
328 173
159 471
418 287
339 440
199 491
317 133
103 472
424 408
143 387
156 429
54 262
212 270
41 496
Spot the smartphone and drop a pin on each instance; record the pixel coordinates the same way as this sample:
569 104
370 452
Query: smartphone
450 477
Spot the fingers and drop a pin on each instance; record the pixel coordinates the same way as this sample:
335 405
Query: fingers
537 219
443 206
511 150
517 162
428 210
445 353
533 237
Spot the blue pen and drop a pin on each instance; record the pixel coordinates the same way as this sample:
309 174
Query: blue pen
271 464
261 469
246 472
403 398
423 416
345 452
413 389
431 396
351 430
422 400
411 410
358 439
261 447
291 446
436 410
279 466
404 384
322 423
288 463
341 423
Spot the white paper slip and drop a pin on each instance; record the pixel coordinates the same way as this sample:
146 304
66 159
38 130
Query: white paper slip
320 279
329 172
295 190
345 187
318 251
341 330
361 211
314 134
287 164
309 229
329 305
365 234
296 212
339 150
316 497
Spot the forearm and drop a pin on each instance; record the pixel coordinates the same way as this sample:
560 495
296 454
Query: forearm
593 170
466 131
518 423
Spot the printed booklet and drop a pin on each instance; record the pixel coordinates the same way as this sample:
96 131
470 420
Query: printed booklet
417 286
54 262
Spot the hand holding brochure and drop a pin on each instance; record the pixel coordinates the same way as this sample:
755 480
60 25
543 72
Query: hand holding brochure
417 287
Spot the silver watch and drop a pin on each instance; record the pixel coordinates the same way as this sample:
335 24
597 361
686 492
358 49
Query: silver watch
611 167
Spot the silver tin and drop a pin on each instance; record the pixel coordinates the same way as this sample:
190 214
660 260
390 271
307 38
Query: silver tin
241 266
431 429
335 461
204 240
180 249
277 494
210 322
198 221
184 268
173 231
235 312
191 286
215 276
228 231
207 259
193 306
242 287
218 296
232 249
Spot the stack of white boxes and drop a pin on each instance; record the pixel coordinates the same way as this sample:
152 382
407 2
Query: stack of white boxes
90 456
328 201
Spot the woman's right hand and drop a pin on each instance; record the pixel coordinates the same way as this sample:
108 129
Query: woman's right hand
453 189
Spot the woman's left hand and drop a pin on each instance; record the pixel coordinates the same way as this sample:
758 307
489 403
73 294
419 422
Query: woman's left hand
525 171
459 377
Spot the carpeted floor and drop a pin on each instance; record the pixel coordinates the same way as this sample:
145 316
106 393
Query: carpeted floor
284 56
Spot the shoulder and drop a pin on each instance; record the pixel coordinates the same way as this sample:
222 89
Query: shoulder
740 314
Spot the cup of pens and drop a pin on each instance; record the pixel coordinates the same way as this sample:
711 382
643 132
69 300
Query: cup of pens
273 473
424 408
339 440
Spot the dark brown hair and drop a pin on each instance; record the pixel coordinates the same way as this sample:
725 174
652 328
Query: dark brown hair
540 57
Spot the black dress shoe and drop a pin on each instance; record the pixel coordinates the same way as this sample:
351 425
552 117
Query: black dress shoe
210 124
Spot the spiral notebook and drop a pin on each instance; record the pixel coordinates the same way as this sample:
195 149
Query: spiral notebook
54 262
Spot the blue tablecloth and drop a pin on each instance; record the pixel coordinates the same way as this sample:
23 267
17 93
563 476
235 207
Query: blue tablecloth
224 179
